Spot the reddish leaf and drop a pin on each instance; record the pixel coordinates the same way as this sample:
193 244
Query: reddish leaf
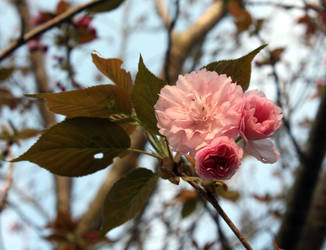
8 99
104 101
111 67
5 73
277 53
84 34
242 17
185 195
260 198
62 7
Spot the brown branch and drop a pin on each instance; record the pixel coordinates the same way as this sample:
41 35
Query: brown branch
183 43
3 201
168 50
300 196
210 198
163 13
54 22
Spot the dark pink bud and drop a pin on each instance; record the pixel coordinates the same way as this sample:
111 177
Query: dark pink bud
84 21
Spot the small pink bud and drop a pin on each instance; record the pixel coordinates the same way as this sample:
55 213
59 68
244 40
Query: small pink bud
84 21
219 160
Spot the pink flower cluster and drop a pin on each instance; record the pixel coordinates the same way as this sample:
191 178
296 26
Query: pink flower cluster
203 115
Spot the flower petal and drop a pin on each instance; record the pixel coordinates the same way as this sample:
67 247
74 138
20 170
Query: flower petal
264 150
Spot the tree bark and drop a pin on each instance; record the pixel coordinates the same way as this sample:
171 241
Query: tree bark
314 232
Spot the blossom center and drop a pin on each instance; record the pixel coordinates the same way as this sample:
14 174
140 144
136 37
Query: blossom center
199 109
261 114
215 162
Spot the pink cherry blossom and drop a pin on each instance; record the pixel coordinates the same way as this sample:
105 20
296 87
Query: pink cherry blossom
219 160
263 150
261 117
202 106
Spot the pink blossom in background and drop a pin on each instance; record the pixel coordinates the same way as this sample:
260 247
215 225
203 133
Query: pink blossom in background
201 107
219 160
261 117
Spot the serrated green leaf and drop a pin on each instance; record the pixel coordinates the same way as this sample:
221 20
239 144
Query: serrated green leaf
103 101
111 67
127 197
238 69
145 95
70 148
106 6
5 73
188 207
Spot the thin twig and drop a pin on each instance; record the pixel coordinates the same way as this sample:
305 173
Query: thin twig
47 26
3 201
70 69
210 198
25 219
279 102
170 30
135 150
30 199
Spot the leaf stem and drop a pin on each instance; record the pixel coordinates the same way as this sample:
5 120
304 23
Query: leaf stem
168 148
144 152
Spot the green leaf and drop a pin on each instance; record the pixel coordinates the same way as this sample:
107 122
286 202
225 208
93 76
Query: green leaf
5 73
188 207
74 146
111 67
238 69
103 101
145 95
229 195
127 197
106 6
